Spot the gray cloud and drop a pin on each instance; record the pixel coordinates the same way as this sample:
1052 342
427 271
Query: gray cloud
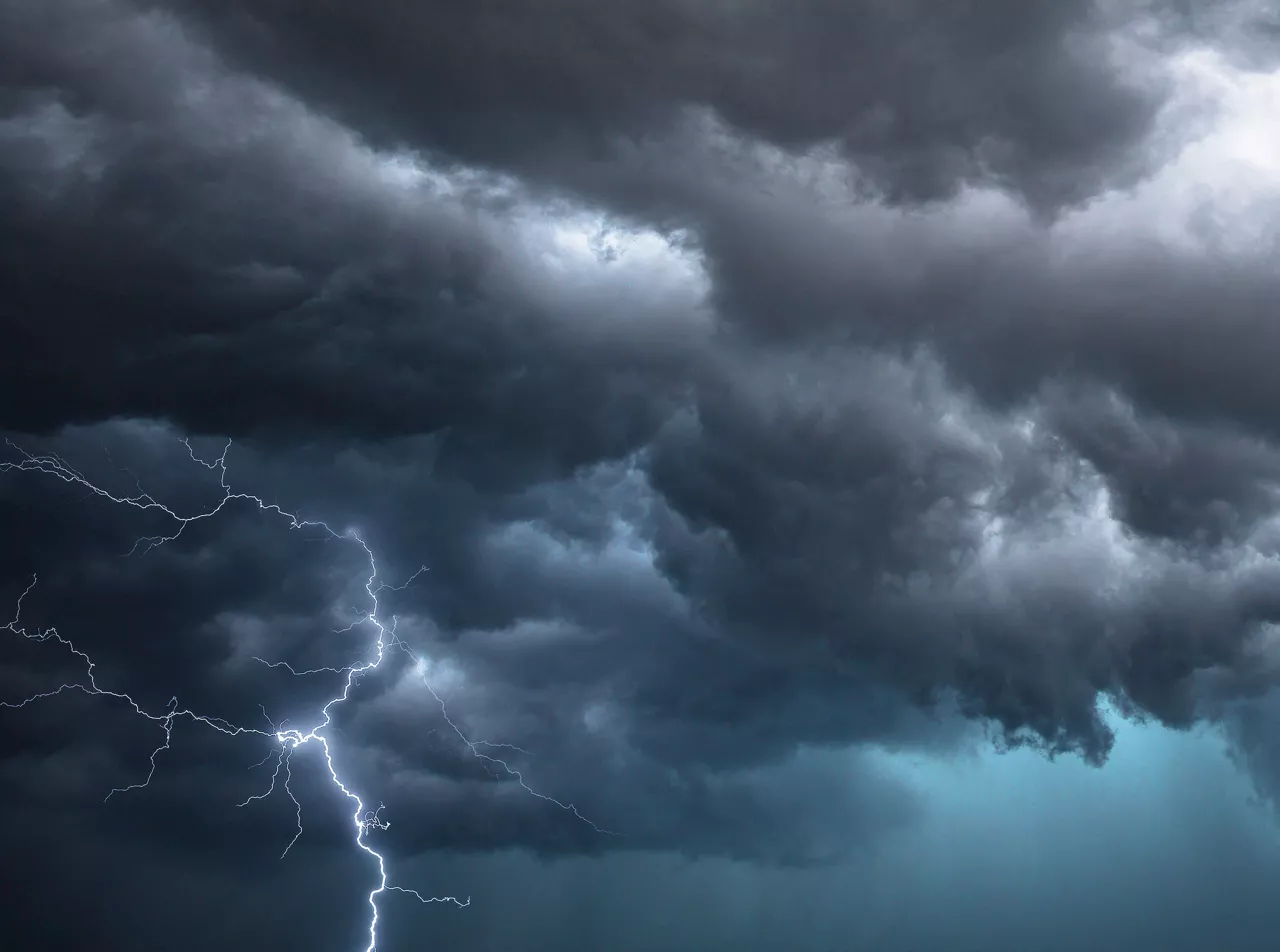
921 100
764 388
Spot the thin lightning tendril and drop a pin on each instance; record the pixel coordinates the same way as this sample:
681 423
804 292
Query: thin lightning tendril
287 739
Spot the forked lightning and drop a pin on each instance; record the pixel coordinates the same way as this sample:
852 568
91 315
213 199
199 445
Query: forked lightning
286 740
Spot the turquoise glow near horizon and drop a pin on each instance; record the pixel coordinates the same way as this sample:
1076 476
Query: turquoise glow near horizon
1014 851
1167 820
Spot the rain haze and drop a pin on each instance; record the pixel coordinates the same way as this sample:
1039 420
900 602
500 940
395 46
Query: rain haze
771 476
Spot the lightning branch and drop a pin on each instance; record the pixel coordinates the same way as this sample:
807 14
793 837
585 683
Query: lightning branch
285 741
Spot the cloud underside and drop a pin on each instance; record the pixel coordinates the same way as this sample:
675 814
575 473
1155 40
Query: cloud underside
758 381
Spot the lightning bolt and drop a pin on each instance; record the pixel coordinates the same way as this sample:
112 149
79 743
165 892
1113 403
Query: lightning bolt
286 740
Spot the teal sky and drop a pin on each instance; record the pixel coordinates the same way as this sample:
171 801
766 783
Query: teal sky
1165 847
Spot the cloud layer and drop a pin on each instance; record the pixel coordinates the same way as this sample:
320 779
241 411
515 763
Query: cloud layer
765 385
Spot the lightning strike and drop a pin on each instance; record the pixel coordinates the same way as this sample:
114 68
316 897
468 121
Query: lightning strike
287 740
490 760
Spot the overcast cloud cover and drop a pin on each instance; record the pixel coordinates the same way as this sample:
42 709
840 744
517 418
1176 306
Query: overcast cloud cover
841 436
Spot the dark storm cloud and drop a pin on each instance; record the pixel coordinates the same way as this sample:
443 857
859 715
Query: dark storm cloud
1192 482
543 663
940 392
795 256
231 253
895 527
921 97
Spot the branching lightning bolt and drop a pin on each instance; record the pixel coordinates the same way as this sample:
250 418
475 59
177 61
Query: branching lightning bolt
287 740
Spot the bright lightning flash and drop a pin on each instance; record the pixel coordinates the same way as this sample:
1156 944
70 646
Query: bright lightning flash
287 740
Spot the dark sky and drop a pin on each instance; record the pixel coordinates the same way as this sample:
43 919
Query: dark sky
842 438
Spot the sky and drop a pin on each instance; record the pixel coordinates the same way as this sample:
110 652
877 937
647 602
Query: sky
795 475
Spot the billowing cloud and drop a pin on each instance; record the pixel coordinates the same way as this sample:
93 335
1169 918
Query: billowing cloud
765 386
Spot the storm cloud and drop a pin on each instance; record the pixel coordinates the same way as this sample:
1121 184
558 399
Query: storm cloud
767 388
